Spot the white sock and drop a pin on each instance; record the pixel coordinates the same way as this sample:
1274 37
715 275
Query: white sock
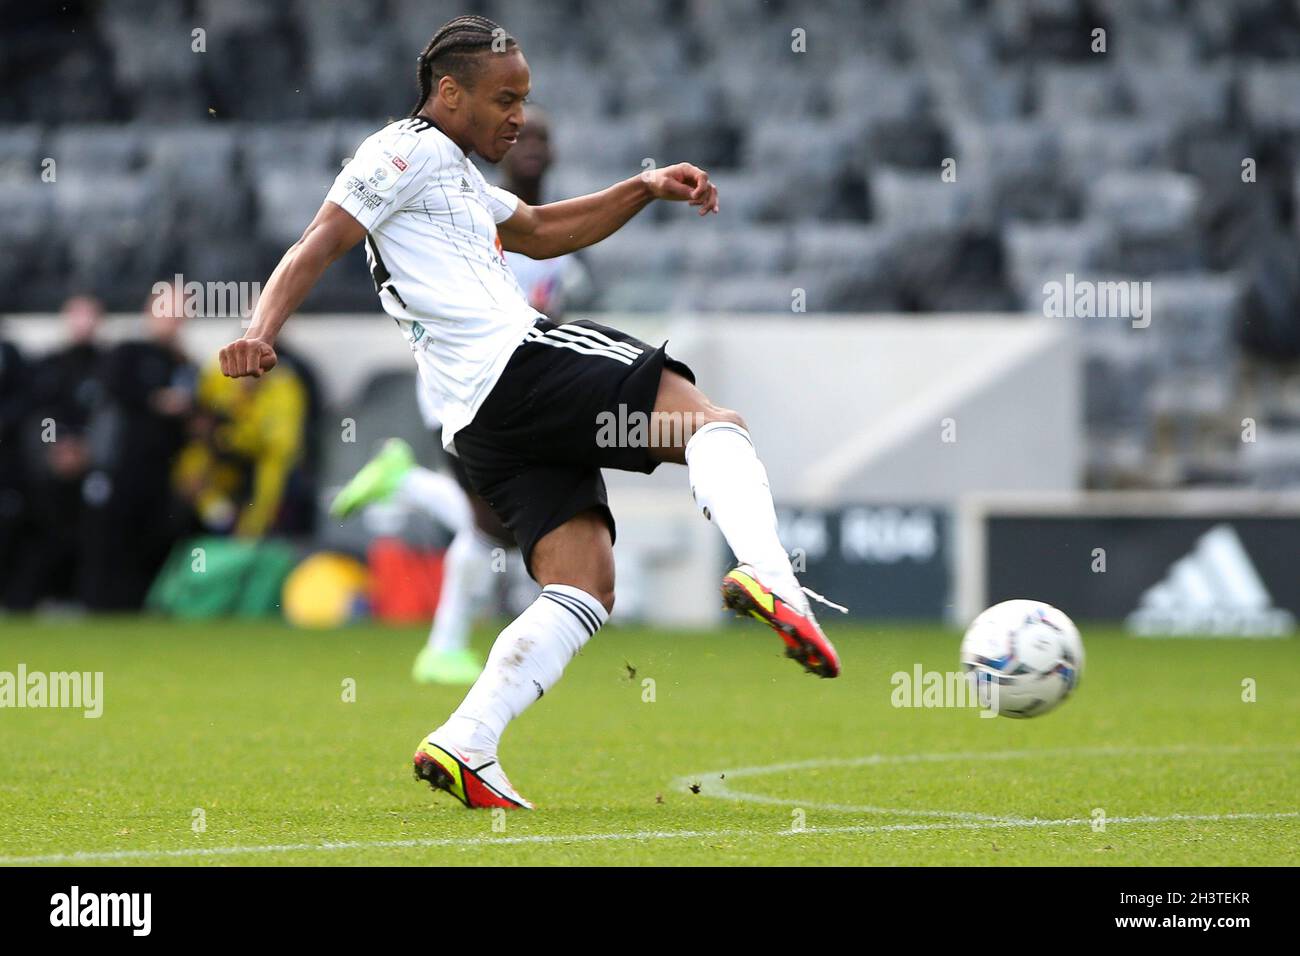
440 497
464 567
729 484
436 495
527 659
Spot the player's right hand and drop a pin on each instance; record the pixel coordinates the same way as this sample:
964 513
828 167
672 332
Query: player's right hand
683 181
244 357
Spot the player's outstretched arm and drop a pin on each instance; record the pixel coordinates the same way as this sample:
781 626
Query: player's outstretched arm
332 233
557 228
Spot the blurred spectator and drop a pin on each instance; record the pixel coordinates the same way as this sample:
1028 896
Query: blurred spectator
64 393
132 515
299 510
14 397
248 436
551 285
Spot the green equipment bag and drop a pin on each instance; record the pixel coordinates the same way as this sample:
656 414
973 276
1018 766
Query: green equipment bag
217 577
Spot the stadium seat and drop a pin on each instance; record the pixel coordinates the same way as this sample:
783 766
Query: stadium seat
635 251
1271 95
301 147
988 94
867 248
288 200
118 233
918 143
1091 148
196 154
711 144
622 143
20 153
717 250
1006 151
1183 95
817 148
253 79
1145 204
1193 318
866 91
748 294
29 207
1069 93
921 200
564 89
638 293
1042 252
96 150
1117 390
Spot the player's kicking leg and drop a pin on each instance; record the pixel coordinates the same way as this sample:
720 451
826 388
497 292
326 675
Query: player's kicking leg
574 563
730 487
535 451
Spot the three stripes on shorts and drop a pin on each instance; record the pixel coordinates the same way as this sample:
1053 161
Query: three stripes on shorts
585 341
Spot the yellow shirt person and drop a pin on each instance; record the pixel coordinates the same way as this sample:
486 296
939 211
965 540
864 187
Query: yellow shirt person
249 436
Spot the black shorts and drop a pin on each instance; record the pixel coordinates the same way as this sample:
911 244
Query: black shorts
485 519
535 448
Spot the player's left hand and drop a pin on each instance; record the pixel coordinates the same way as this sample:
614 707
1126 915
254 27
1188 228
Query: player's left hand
683 182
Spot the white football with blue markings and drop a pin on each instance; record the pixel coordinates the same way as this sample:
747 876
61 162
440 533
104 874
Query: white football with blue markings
1025 657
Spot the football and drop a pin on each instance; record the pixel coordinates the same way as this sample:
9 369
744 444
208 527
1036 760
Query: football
1024 656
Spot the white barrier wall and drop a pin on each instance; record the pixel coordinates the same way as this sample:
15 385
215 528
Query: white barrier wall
905 409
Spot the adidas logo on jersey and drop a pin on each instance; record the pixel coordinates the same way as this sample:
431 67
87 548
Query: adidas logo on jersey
1214 590
465 187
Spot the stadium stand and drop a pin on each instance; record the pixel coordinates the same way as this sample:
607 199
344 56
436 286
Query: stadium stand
206 153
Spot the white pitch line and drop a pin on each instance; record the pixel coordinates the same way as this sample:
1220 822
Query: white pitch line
960 820
817 763
638 835
711 783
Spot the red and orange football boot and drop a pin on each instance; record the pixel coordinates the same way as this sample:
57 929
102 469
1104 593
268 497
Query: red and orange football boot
743 593
474 779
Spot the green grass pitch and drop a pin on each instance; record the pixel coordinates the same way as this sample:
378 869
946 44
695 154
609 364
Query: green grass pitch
246 722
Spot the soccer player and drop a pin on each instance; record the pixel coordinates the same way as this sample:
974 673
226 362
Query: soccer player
393 475
521 398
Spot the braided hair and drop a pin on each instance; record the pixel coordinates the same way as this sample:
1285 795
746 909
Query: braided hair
454 50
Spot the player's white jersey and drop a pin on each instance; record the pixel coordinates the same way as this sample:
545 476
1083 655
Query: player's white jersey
437 262
428 414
